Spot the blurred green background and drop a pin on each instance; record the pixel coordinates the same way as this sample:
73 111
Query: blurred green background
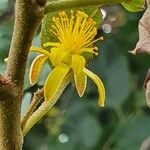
78 123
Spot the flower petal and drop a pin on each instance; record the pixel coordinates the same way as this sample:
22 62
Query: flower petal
53 56
78 63
54 82
99 84
56 56
80 82
51 44
39 50
36 67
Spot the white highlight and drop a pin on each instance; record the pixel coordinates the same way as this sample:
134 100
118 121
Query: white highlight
103 13
107 28
63 138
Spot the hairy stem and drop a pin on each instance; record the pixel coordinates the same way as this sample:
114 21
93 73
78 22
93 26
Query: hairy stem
27 19
46 106
37 115
10 131
28 16
53 6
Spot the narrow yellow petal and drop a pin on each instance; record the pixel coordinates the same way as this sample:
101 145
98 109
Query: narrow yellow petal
99 84
36 67
80 82
78 63
39 50
54 81
51 44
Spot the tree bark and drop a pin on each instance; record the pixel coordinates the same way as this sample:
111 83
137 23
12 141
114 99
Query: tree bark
10 102
28 16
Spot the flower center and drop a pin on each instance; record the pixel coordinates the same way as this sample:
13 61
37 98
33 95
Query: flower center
75 32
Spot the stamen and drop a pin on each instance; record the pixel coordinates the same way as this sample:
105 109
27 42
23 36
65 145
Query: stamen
75 32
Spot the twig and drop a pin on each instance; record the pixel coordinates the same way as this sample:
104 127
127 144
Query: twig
28 16
53 6
35 101
46 106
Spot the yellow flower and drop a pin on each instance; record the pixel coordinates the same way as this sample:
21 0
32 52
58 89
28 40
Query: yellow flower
75 33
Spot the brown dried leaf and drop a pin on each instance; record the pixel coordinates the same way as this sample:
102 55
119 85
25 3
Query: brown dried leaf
143 45
147 93
147 88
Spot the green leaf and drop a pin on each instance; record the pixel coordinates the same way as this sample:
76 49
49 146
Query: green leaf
89 131
47 36
84 132
94 13
62 146
132 133
113 69
134 5
118 82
